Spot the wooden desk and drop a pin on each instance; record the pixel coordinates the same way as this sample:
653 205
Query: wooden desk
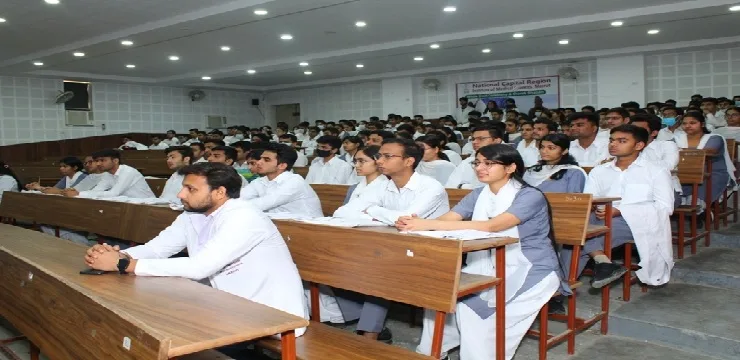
157 185
73 316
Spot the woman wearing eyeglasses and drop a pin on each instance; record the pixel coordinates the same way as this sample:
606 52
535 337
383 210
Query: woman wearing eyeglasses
371 180
506 206
557 171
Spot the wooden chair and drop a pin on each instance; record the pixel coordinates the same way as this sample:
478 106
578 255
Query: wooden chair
691 171
571 227
629 279
724 210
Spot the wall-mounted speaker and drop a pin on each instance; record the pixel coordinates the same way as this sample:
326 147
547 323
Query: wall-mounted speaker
255 102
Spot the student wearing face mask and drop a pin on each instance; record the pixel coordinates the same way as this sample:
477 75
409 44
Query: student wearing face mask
290 140
327 168
671 124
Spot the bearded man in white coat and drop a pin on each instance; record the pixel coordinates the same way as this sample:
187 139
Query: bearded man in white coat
230 243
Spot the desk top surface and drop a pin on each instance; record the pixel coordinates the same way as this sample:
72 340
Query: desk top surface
193 316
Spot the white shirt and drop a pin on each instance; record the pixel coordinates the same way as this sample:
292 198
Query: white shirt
287 193
68 181
244 166
464 176
98 182
191 141
422 196
135 145
172 187
310 143
717 119
129 183
454 157
237 248
302 160
591 156
171 142
200 160
642 182
604 134
468 148
530 153
161 146
665 134
7 183
335 171
454 147
665 154
375 187
440 170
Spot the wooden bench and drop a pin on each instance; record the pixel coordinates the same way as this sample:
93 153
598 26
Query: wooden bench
73 316
157 185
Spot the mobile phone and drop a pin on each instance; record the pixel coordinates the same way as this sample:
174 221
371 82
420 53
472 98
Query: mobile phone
92 272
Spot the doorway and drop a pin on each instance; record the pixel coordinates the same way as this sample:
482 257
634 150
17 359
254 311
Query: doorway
288 113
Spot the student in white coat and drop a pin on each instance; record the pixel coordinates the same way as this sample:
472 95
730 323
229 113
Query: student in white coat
506 206
128 181
278 190
8 180
587 148
642 214
663 153
327 168
464 176
225 155
158 144
372 181
229 243
178 157
434 162
171 138
528 146
292 141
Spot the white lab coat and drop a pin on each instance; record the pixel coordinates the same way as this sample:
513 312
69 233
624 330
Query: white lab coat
464 176
133 144
129 183
172 187
665 154
591 156
98 182
302 160
237 248
335 171
646 204
171 142
440 170
350 210
454 157
530 153
287 193
161 146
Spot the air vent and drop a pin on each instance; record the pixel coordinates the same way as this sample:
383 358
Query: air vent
215 121
79 118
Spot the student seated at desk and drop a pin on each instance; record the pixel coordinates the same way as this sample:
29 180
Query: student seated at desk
158 144
291 141
696 136
8 180
527 145
229 243
588 149
434 163
72 173
663 153
209 144
178 157
171 138
241 165
507 207
407 193
327 168
278 190
558 171
129 143
128 181
225 155
371 179
199 151
464 176
642 214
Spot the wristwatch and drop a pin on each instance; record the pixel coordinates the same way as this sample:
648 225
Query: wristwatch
123 263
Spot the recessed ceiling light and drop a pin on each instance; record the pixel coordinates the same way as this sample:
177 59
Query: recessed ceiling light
52 2
360 24
250 71
617 23
127 42
360 66
2 20
304 64
486 51
79 54
564 42
174 58
131 66
260 12
286 37
434 46
38 63
308 72
735 8
653 31
518 35
206 78
449 9
225 48
418 58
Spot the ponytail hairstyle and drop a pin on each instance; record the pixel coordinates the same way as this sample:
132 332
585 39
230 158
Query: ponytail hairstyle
563 142
434 141
699 117
5 169
506 155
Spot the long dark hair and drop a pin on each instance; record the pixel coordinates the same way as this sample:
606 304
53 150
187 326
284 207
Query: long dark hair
700 117
506 155
6 170
74 162
562 141
434 141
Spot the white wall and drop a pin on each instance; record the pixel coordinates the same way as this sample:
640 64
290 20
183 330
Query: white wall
679 75
573 93
620 79
331 103
398 96
28 112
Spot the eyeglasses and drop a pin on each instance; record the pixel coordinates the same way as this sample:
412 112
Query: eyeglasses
481 138
486 164
386 156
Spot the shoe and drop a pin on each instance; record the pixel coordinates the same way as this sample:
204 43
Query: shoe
555 306
384 336
606 273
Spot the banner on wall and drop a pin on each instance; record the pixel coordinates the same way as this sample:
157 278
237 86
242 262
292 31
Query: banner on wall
523 91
